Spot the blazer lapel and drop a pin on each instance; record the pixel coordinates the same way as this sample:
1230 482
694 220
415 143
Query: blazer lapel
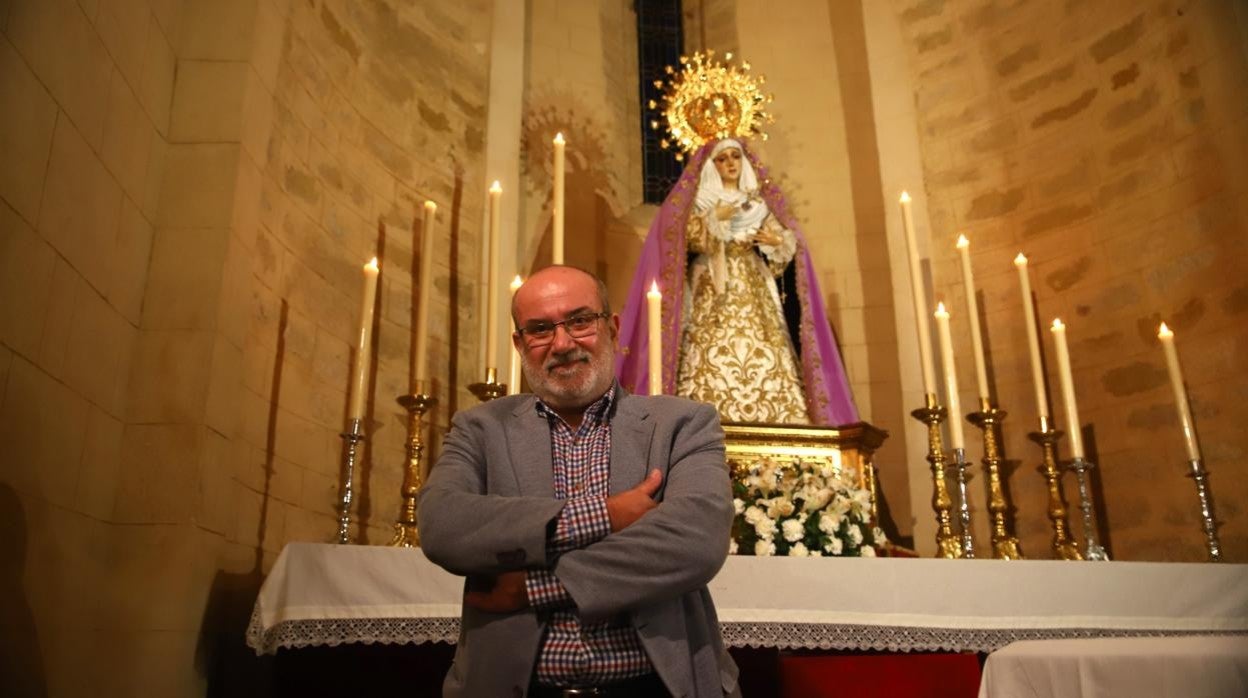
528 444
631 432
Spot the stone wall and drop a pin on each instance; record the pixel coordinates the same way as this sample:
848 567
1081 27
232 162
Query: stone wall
189 191
1106 141
581 80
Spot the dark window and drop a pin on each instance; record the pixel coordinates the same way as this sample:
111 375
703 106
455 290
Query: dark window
660 40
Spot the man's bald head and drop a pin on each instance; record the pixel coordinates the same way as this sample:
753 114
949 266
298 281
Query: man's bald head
561 274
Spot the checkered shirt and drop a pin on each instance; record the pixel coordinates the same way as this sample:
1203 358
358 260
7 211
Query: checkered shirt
573 652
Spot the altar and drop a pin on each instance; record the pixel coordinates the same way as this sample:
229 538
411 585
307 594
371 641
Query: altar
320 595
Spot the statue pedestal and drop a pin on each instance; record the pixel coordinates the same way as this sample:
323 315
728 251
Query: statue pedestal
846 447
772 462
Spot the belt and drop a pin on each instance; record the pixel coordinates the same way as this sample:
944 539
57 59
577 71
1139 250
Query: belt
647 686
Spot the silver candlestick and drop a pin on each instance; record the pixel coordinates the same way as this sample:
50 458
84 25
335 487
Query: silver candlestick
1092 548
352 437
961 471
1201 477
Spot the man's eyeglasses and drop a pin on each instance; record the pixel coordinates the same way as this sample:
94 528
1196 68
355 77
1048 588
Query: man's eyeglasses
542 332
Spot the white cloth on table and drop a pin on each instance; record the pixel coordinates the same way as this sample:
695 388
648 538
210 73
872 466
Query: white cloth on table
1159 667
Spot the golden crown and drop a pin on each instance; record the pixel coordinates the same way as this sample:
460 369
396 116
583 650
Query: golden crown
709 100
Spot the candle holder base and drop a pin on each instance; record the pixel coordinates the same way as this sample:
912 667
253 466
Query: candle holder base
1063 547
487 391
490 388
962 476
352 438
932 414
406 534
1201 477
1092 548
988 420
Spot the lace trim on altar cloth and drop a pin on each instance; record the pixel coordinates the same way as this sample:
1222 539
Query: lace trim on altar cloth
332 632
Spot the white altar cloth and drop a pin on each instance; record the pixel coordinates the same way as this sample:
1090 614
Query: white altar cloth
1119 667
323 594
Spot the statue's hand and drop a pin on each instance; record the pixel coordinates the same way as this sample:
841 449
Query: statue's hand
765 237
724 211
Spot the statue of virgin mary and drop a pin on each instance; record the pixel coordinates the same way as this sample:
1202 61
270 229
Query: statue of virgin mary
743 323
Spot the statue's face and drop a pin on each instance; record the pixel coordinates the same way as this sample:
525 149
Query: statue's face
728 165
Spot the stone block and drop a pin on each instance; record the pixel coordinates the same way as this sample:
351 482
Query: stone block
270 34
99 351
123 26
150 202
65 553
160 473
128 135
260 523
257 116
155 87
160 578
66 287
225 388
60 45
101 462
184 283
216 507
44 423
81 206
208 101
220 30
130 262
168 15
26 126
199 186
27 264
169 377
284 482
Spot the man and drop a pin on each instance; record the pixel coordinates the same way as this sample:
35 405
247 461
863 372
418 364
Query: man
587 521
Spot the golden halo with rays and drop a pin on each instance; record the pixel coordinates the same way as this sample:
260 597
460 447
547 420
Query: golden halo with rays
709 100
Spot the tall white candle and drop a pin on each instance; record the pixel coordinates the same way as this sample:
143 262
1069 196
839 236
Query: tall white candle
420 368
364 343
1033 337
513 376
1180 392
951 377
654 302
557 242
491 286
920 298
1068 389
972 317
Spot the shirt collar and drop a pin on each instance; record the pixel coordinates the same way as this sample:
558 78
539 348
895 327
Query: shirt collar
597 410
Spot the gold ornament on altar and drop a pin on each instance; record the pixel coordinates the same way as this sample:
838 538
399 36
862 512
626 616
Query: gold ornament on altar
708 100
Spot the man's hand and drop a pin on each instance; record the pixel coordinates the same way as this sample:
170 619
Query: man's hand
508 594
626 507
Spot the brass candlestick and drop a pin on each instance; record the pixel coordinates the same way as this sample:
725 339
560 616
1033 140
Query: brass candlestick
1201 477
1063 547
352 437
1092 548
416 404
1004 546
491 388
932 415
964 506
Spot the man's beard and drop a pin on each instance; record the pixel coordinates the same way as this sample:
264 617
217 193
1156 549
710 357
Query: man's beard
571 392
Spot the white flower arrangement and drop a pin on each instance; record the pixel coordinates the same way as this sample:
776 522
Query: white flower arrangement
801 512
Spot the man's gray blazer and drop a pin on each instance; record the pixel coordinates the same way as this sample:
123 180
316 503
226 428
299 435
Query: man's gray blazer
488 507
